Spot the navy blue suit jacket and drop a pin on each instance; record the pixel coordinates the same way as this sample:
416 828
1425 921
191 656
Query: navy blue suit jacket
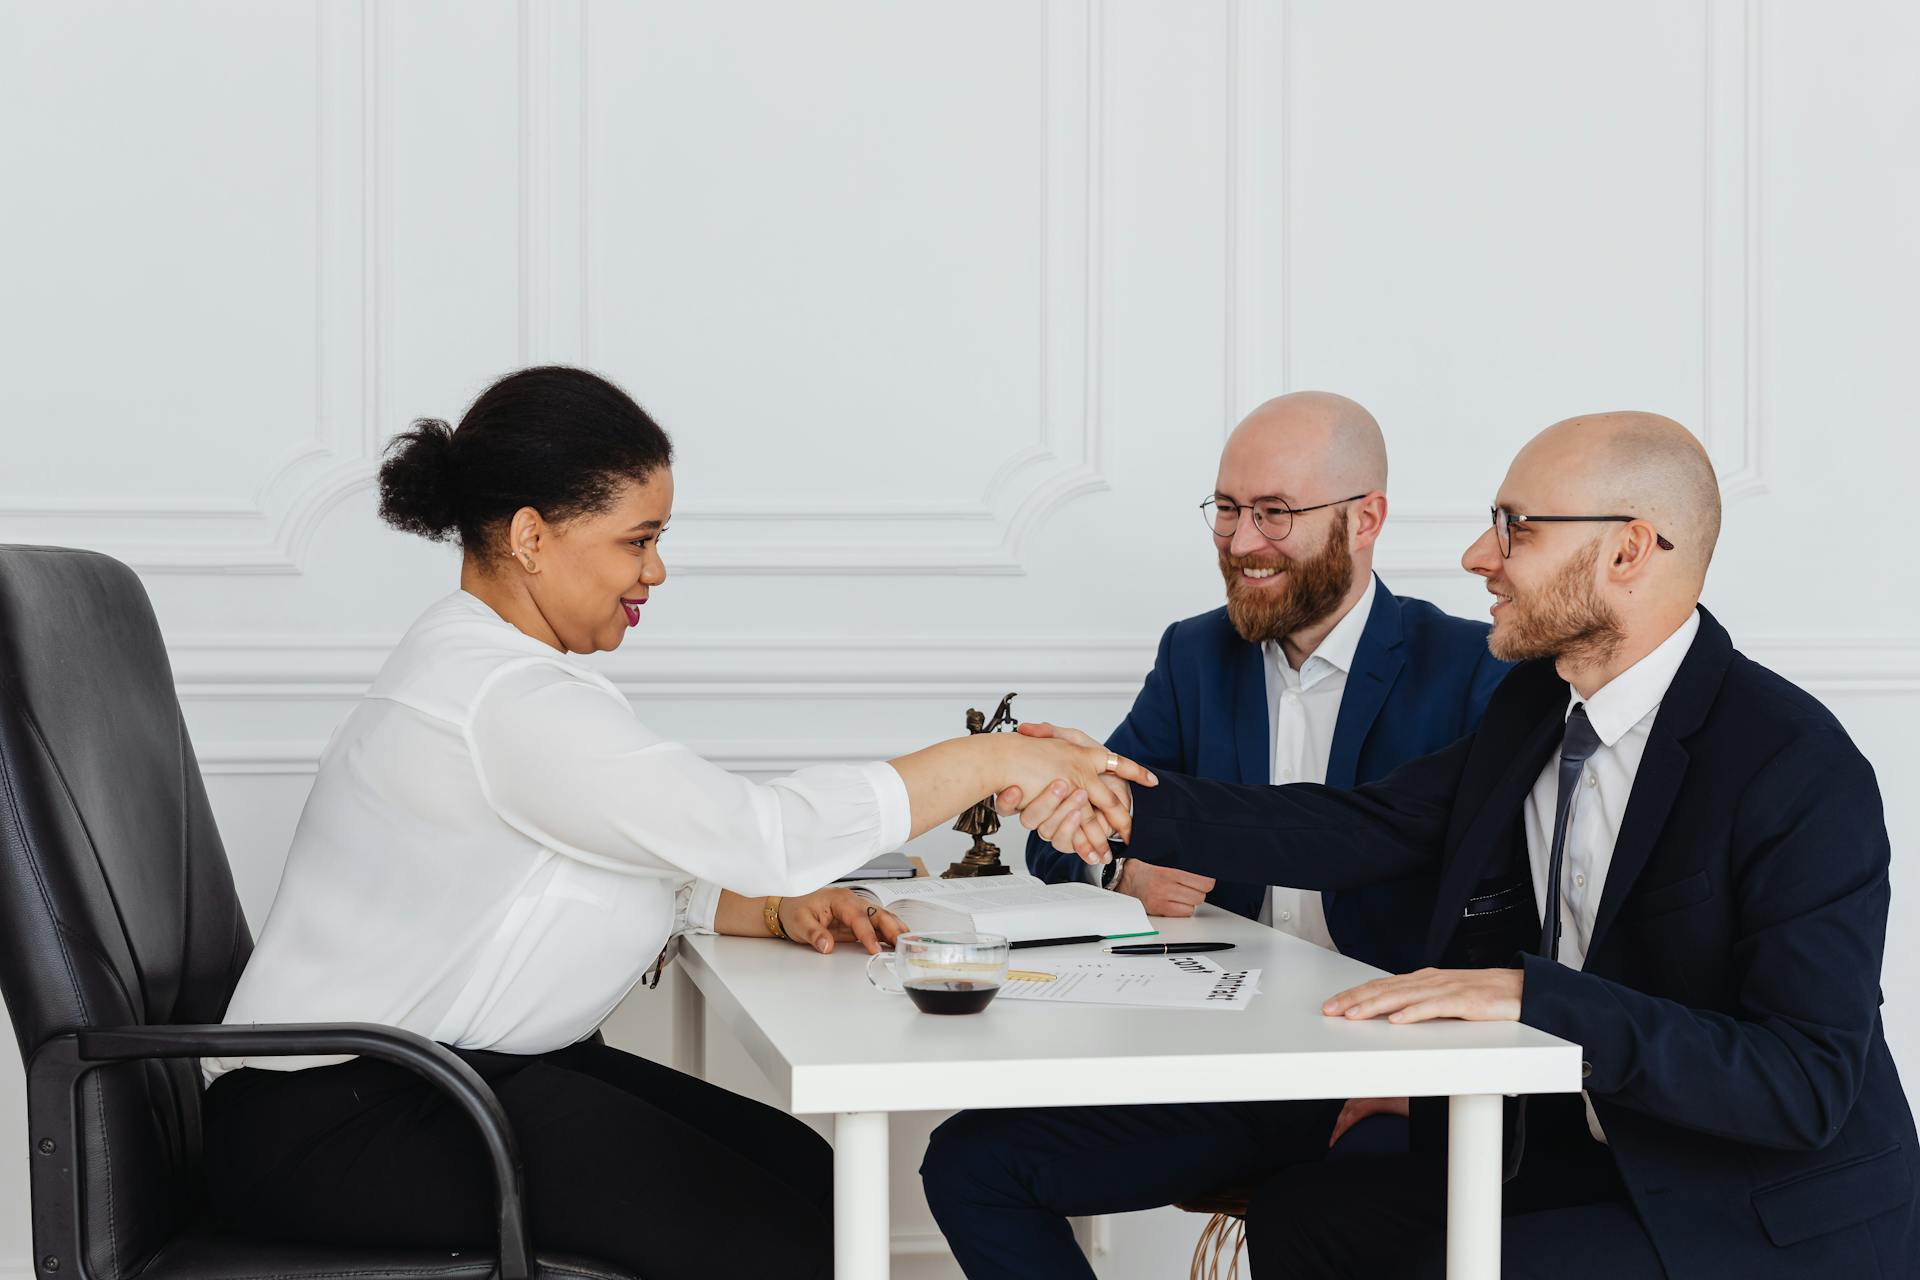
1420 680
1730 1005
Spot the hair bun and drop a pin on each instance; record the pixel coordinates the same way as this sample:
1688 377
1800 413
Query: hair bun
418 490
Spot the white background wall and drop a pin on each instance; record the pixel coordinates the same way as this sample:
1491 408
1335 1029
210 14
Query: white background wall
947 306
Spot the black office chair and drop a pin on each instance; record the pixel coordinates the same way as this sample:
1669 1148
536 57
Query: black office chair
120 943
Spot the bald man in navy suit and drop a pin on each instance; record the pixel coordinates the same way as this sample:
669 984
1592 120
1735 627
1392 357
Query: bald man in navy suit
1653 847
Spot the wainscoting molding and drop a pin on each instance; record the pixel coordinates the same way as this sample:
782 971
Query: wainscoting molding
268 531
1261 238
296 668
562 283
760 671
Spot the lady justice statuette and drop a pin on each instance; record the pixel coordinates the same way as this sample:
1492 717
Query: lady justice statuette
981 821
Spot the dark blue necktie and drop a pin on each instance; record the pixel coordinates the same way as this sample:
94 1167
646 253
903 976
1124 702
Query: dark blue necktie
1576 748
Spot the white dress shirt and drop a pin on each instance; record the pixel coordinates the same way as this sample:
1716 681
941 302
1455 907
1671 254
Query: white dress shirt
1302 709
1622 712
496 849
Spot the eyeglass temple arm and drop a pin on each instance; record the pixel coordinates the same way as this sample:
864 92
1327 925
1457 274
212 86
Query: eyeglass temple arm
1513 519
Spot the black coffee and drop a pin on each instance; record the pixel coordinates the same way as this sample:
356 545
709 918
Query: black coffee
951 995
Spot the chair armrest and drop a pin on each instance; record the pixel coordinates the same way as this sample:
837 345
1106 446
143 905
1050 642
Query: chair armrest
55 1070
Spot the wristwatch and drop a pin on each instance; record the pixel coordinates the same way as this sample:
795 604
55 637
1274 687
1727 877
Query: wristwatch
1110 874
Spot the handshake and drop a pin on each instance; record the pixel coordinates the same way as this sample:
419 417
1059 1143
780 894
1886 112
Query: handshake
1089 798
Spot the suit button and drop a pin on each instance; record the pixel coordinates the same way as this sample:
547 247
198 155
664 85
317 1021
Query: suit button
1586 1069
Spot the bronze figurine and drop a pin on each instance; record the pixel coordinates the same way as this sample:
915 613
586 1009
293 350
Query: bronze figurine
981 821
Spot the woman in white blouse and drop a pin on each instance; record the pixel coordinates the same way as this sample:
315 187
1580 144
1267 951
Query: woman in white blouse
496 850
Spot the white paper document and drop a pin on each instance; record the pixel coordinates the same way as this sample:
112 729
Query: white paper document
1162 982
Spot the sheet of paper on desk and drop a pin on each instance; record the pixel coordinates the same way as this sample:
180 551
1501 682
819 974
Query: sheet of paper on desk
1161 982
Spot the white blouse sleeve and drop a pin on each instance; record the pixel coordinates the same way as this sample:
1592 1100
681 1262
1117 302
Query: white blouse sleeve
565 761
695 904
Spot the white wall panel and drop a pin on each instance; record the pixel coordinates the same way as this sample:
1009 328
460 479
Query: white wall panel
948 307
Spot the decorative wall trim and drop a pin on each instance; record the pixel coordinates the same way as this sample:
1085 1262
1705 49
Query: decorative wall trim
305 668
1253 143
987 535
228 758
1732 411
1732 417
268 531
816 670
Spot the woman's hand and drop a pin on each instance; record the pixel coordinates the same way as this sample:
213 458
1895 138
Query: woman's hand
1076 815
1075 774
825 916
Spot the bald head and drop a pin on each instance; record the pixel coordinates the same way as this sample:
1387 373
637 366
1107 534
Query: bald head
1638 464
1315 441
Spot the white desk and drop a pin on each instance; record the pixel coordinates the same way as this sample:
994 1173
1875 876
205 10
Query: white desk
831 1044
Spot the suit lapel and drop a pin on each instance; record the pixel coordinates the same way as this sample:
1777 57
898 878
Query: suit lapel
1247 694
1663 767
1491 829
1377 660
1251 730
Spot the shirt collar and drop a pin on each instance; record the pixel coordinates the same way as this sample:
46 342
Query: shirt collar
1632 696
1336 651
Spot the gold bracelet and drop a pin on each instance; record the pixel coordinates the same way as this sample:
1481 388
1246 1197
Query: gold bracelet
772 913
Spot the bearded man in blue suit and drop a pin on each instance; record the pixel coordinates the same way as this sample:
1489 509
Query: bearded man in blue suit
1312 672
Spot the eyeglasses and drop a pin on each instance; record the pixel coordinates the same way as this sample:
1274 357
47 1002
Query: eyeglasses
1271 516
1504 521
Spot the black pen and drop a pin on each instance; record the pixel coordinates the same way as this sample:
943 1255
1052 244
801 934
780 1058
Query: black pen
1062 942
1170 949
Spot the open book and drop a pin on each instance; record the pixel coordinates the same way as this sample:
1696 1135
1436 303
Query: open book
1019 907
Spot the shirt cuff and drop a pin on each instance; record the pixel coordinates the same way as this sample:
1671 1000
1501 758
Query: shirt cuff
694 905
896 806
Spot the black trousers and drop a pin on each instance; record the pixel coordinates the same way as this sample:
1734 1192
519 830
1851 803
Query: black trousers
627 1162
1565 1214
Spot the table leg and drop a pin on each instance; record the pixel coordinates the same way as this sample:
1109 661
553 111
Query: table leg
862 1227
1473 1187
689 1025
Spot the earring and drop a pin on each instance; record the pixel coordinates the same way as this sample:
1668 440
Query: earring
527 560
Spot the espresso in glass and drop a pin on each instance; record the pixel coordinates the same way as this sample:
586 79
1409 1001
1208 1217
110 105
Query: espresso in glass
951 995
945 972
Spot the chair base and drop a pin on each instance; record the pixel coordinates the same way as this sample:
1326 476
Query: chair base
1225 1233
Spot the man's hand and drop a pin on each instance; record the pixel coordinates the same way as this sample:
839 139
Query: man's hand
1476 995
1164 891
821 918
1358 1109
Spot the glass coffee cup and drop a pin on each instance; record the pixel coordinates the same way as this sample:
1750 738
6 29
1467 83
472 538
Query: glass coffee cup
946 972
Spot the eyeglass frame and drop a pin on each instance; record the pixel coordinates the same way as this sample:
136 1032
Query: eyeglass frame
1513 517
1293 513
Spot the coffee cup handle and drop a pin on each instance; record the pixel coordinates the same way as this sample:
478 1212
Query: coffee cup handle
886 958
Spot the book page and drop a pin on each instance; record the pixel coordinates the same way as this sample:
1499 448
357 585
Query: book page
1021 907
1003 896
962 895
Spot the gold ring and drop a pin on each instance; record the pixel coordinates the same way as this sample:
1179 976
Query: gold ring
1113 764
